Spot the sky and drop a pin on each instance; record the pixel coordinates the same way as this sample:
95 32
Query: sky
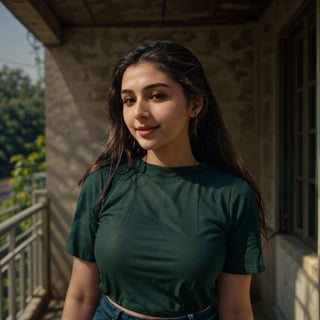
15 51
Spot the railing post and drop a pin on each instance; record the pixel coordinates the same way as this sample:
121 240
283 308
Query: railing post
11 278
40 196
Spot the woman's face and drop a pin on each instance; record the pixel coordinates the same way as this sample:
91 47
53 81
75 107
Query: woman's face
156 113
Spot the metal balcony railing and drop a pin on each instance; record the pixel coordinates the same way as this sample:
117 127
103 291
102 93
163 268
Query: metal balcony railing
24 264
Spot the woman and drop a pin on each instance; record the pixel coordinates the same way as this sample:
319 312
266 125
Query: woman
168 220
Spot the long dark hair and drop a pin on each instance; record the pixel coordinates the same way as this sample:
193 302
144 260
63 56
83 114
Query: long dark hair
209 137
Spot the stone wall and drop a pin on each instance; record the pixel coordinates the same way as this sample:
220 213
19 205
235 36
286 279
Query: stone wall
77 76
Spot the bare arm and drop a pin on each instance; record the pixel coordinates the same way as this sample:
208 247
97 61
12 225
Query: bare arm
83 293
234 297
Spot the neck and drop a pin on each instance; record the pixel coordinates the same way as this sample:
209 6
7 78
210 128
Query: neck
174 160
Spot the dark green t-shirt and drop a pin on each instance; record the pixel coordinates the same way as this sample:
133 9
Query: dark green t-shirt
163 235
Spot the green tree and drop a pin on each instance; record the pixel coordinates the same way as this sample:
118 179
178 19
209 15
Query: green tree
23 175
22 115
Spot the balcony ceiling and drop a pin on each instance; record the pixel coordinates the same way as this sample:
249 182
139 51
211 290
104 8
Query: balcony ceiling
47 19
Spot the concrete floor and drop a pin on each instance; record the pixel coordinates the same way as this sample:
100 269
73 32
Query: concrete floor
54 311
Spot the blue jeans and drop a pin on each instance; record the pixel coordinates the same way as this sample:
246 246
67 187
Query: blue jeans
107 311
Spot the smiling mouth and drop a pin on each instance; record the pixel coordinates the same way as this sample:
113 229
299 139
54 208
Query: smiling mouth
146 131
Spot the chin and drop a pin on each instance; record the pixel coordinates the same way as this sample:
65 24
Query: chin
146 146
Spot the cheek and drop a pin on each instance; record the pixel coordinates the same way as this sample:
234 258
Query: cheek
175 115
126 116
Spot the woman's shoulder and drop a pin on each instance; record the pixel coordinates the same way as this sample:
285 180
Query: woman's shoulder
101 175
227 181
94 181
97 175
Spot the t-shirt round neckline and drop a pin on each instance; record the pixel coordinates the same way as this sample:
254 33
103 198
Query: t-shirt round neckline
158 171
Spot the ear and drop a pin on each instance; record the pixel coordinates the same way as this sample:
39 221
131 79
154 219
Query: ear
196 104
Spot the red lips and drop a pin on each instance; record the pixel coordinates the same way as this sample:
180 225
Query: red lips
145 131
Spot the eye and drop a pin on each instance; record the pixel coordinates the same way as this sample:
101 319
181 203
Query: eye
128 101
158 96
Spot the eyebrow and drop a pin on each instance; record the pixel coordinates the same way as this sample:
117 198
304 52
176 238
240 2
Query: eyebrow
148 87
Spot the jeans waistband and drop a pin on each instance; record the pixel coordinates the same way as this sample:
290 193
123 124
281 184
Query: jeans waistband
110 311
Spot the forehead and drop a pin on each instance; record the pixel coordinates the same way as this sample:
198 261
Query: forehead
144 73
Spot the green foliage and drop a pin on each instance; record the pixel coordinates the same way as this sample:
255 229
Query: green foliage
22 115
37 52
23 176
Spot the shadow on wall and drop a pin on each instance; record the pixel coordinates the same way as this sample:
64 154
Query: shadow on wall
297 279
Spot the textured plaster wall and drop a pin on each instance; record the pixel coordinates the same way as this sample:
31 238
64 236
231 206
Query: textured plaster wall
77 76
286 282
297 288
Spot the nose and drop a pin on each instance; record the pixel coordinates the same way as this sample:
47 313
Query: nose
141 109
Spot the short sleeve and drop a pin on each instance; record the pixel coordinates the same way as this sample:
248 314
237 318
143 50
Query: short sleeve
244 250
84 227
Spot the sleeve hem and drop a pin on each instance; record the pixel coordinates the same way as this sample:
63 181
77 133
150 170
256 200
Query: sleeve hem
246 271
79 255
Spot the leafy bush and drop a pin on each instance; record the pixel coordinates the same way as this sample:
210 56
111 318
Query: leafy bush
24 174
